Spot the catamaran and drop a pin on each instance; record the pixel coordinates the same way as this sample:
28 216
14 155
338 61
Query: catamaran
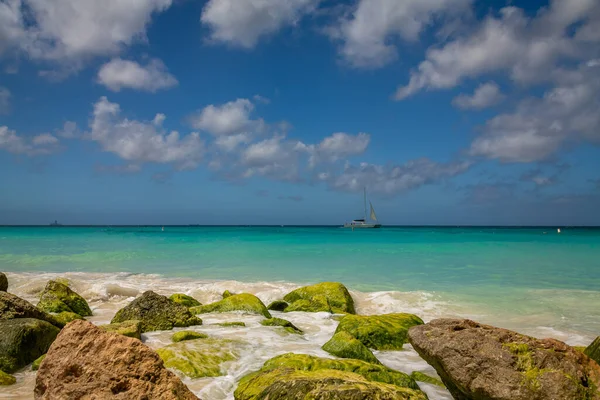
362 223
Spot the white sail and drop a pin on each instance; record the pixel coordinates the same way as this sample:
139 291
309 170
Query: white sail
373 216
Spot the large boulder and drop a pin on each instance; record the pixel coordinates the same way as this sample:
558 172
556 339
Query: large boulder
380 332
23 340
326 296
184 300
244 302
156 313
277 305
300 376
58 297
478 361
132 329
12 307
345 346
287 325
593 350
3 282
88 362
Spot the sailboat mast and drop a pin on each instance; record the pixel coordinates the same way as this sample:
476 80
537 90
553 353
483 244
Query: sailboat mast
365 192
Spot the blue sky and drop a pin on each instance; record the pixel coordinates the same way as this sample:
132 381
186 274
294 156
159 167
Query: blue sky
280 112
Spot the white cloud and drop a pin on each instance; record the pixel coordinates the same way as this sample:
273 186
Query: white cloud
38 145
339 146
227 119
528 48
486 95
243 23
276 158
143 142
4 100
118 74
368 34
69 130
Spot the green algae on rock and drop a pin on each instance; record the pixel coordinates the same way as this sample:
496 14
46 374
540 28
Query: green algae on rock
277 305
58 298
227 294
131 328
14 307
156 313
36 364
325 296
199 358
188 335
287 325
245 302
593 350
422 377
23 340
233 323
184 300
344 345
6 379
380 332
66 316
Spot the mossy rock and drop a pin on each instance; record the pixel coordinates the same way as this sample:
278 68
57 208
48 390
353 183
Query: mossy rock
593 350
345 346
303 377
245 302
326 296
234 323
421 377
3 282
58 298
277 305
132 328
184 300
188 335
66 316
36 364
13 307
199 358
287 325
156 313
227 294
23 340
380 332
6 379
64 281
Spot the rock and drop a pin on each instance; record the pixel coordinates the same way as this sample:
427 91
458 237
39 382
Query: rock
188 335
3 282
234 323
6 379
227 294
345 346
184 300
64 281
300 376
287 325
478 361
66 316
199 358
12 307
132 328
380 332
58 297
593 350
156 313
421 377
88 362
23 340
238 302
277 305
36 364
326 296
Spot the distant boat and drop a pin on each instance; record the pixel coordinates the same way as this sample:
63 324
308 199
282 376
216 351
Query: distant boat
55 223
362 223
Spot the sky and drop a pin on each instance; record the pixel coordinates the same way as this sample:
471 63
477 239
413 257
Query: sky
449 112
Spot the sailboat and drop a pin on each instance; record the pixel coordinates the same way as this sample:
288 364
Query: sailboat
362 223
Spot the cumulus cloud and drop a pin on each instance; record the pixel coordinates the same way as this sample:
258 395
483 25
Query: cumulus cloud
4 100
367 34
486 95
118 74
338 146
69 130
37 145
141 142
226 119
243 23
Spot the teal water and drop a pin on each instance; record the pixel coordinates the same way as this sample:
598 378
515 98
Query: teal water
488 271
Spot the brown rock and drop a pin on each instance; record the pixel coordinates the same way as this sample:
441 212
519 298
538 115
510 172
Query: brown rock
85 362
478 361
3 282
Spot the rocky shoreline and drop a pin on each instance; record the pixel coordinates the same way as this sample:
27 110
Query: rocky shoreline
76 359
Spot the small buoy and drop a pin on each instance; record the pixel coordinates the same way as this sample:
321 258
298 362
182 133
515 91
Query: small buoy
558 230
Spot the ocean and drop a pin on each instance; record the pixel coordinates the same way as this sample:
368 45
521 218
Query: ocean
532 280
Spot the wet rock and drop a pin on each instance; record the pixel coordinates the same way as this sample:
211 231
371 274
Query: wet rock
65 317
6 379
421 377
593 350
188 335
184 300
345 346
88 362
380 332
36 364
12 307
3 282
277 305
156 313
23 340
299 376
287 325
234 323
245 302
58 297
227 294
132 328
477 361
326 296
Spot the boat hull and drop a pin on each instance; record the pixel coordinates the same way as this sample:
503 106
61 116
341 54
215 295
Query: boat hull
362 226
